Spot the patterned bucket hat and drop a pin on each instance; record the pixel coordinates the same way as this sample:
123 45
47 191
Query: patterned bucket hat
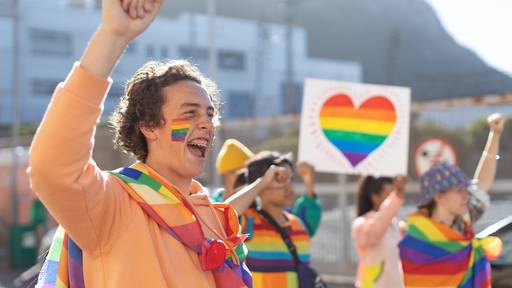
441 177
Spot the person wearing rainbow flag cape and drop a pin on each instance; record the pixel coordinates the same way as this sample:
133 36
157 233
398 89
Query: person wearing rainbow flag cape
150 224
440 248
279 241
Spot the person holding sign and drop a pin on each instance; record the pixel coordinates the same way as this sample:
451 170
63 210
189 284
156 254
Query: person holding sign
376 231
279 243
150 224
440 248
306 207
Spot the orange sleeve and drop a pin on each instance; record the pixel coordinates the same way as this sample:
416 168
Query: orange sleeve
86 201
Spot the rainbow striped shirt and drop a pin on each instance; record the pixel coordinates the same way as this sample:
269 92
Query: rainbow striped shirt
269 260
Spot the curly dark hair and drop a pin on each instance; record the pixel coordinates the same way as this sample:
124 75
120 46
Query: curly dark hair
143 101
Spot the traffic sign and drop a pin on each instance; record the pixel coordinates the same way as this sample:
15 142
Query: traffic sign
431 151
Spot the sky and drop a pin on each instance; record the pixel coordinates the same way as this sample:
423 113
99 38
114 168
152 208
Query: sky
484 26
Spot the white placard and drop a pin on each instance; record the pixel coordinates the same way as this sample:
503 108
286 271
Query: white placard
354 128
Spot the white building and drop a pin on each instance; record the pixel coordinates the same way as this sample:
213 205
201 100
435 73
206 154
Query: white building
251 57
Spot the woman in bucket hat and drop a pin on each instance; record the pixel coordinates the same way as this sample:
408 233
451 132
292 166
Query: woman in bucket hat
440 248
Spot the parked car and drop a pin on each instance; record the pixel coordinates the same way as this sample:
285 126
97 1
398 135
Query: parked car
501 267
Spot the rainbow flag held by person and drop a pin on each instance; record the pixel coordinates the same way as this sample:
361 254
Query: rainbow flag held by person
435 255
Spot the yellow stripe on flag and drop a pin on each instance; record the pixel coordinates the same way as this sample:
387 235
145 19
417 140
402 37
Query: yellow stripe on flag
149 195
357 125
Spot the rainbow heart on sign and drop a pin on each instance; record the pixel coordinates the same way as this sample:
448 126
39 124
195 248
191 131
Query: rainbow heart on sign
357 132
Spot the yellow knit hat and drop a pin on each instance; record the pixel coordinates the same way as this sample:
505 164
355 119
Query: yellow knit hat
232 156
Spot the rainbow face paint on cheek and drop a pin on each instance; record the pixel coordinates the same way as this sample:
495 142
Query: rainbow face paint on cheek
179 129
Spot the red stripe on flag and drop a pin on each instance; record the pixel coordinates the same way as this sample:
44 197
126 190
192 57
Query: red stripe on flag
434 268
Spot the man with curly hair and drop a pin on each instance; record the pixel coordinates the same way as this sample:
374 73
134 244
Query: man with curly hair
149 224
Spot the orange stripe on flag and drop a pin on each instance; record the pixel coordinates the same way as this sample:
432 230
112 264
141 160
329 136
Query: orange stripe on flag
369 114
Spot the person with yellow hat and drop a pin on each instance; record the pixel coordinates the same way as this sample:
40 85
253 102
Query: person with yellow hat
306 207
231 159
279 226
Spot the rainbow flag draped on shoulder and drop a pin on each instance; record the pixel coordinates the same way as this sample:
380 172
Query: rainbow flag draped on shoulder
164 204
435 255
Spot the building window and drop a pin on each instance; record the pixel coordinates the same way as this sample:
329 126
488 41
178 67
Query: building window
239 104
150 51
231 60
49 42
194 53
286 102
78 3
164 52
5 7
43 87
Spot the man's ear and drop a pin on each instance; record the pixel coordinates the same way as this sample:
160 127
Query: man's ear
149 133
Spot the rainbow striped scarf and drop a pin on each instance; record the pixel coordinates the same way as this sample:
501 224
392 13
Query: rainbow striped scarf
165 205
63 265
435 255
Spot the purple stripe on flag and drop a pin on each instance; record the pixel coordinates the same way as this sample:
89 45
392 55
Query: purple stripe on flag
482 270
415 256
76 277
279 265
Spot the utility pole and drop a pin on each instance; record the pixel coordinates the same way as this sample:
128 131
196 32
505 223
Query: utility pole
213 73
192 36
392 55
15 128
259 67
290 83
212 48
